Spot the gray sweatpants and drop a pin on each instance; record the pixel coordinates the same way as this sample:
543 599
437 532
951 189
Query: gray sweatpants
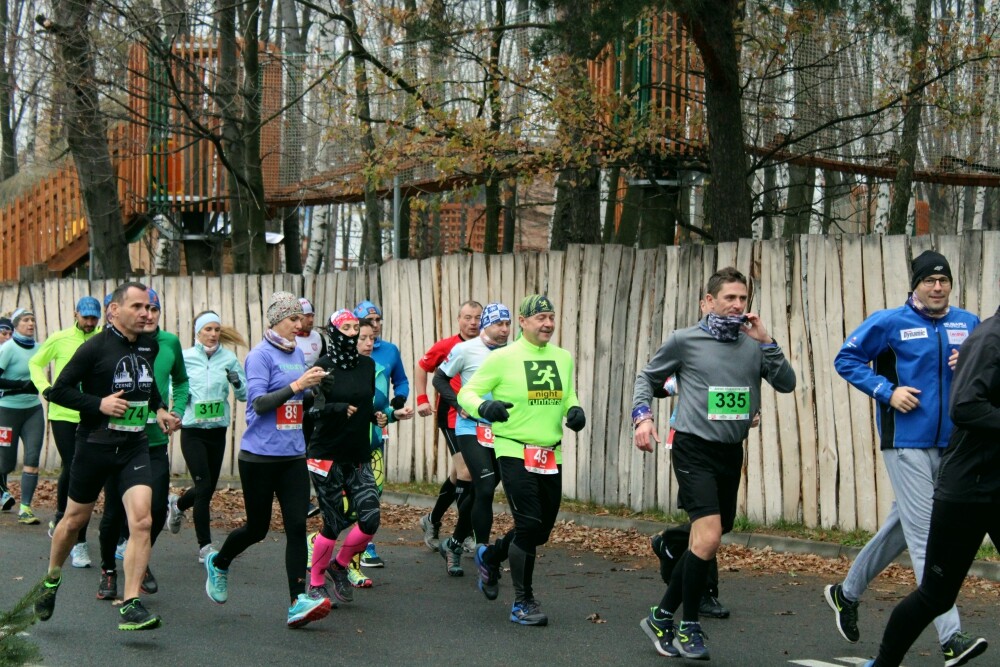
28 426
912 473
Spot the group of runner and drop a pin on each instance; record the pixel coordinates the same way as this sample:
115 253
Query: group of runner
318 406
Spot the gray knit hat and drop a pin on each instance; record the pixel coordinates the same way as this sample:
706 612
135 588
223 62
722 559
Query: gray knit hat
282 305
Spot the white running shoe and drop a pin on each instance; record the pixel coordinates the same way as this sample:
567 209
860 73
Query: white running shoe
174 515
80 555
204 551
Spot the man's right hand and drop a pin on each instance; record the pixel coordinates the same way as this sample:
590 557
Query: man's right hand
904 399
114 405
645 435
425 409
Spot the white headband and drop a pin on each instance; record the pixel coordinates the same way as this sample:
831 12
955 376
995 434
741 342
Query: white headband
204 319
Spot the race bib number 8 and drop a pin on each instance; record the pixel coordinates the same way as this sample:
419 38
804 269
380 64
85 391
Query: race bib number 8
728 403
290 416
134 419
540 460
6 436
319 466
209 411
484 434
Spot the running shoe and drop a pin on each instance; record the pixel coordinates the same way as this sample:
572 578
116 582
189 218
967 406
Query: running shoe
528 612
133 616
6 501
52 528
370 557
661 631
47 602
27 517
341 586
310 543
120 550
451 551
711 607
431 531
307 609
80 555
358 578
320 592
689 640
846 611
217 582
469 545
489 576
108 589
312 511
149 585
174 514
667 559
204 551
962 648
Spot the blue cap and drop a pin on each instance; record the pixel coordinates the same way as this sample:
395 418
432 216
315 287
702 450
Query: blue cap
493 313
154 298
107 300
88 306
367 309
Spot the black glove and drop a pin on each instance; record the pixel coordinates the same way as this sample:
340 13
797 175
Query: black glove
658 392
45 393
397 402
575 418
234 378
336 408
495 411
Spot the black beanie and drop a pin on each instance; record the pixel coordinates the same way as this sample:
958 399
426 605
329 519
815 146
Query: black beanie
928 263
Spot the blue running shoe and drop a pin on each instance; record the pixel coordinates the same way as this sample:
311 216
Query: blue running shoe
661 631
120 550
370 557
307 609
6 501
217 583
528 612
689 640
489 575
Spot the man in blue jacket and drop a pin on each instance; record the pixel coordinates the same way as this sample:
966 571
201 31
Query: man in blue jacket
903 358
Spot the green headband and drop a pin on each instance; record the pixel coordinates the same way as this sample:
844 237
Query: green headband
534 304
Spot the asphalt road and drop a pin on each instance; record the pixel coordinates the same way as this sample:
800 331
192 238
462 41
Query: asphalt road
417 615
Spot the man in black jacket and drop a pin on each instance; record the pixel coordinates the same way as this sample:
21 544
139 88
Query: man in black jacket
966 498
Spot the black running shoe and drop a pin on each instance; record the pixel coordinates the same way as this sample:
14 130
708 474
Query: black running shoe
47 603
108 590
846 611
962 648
149 585
133 616
342 588
452 551
711 607
667 559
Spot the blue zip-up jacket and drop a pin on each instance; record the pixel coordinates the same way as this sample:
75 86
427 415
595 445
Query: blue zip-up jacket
907 349
381 403
208 382
387 355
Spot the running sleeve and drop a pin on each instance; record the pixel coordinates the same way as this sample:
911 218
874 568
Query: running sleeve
442 383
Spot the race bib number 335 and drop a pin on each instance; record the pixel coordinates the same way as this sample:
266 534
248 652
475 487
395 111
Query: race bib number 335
728 403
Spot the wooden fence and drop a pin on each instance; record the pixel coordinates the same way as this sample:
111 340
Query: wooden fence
814 458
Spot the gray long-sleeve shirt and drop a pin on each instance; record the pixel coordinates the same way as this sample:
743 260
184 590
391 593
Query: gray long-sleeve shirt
719 382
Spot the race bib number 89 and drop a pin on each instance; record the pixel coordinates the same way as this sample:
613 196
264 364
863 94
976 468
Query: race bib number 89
728 403
289 416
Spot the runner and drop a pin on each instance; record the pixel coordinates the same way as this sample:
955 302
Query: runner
58 349
340 457
21 416
6 330
457 486
109 381
531 382
966 499
386 355
475 437
272 459
171 380
211 369
714 413
911 350
314 345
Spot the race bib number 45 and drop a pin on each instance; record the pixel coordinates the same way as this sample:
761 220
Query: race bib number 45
728 403
290 416
134 419
540 460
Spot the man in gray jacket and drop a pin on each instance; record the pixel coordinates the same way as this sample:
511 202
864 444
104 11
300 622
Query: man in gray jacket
720 363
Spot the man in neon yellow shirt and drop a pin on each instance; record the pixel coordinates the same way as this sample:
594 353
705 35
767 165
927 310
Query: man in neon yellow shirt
530 384
58 349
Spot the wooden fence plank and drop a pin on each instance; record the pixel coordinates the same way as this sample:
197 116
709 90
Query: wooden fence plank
674 292
589 469
568 314
968 289
635 346
621 372
424 430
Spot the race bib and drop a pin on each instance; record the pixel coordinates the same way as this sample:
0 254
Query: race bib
209 411
484 434
319 466
728 403
670 439
134 419
540 460
6 436
385 435
289 417
957 336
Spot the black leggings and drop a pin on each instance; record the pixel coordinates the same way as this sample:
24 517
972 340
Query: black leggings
203 450
482 464
114 523
957 532
64 433
262 482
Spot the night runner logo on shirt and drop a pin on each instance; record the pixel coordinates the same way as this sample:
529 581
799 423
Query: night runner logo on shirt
544 384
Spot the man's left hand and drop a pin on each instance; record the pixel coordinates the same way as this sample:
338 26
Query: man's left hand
575 418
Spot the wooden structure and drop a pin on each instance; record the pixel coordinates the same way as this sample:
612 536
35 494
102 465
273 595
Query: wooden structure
815 457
